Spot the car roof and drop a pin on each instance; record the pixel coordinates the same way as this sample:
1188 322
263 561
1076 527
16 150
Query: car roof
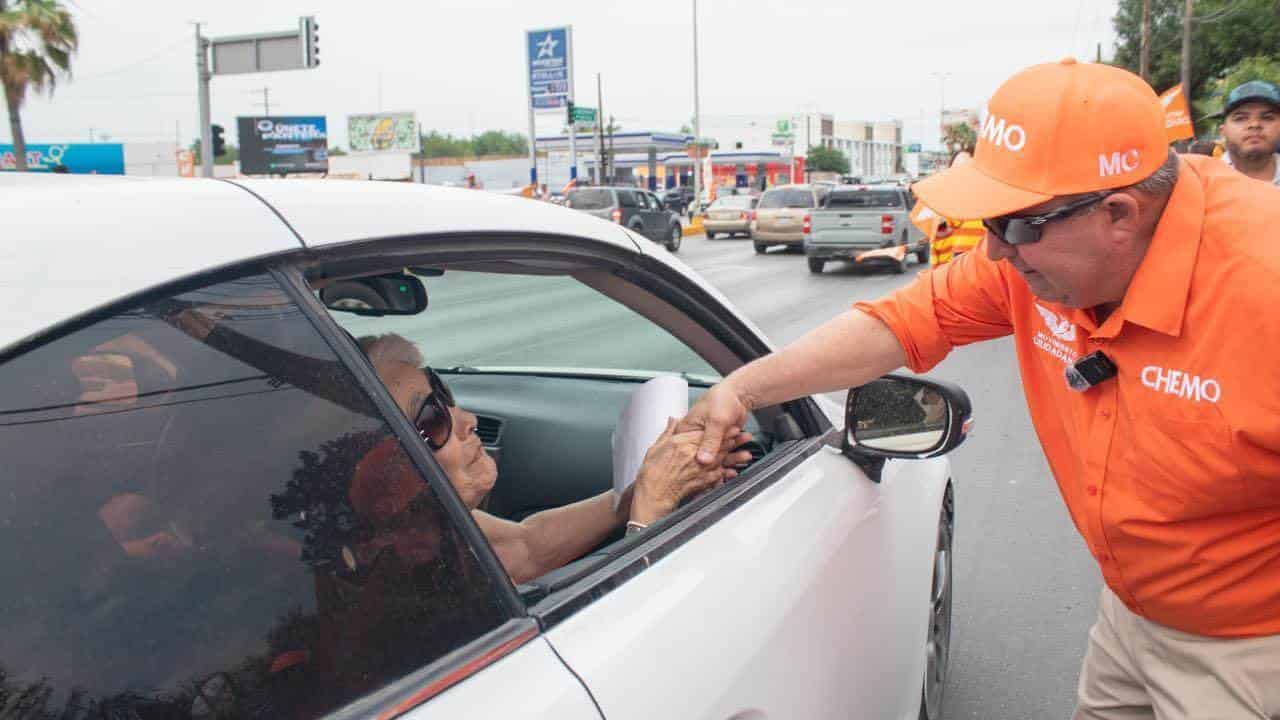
76 243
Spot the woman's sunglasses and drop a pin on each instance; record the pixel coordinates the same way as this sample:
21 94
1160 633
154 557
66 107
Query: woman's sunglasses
1029 229
434 419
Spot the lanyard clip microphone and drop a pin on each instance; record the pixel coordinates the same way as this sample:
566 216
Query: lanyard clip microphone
1090 370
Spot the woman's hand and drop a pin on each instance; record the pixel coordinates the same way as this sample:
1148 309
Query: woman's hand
671 471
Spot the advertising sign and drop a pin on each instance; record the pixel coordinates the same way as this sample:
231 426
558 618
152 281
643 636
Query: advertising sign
549 60
383 131
77 158
271 145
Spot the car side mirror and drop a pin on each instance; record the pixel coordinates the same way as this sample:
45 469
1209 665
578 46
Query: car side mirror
898 416
378 295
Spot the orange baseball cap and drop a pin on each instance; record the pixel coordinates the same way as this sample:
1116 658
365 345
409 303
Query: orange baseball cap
1055 129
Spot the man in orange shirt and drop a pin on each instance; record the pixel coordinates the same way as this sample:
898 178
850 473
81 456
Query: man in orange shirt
1105 252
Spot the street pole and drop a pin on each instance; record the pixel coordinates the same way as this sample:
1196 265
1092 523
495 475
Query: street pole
533 131
266 101
1186 47
1144 57
202 79
573 124
697 120
599 132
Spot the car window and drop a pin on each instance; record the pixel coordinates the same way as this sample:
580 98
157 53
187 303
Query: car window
494 320
627 198
787 198
733 202
642 200
203 516
590 199
864 199
654 202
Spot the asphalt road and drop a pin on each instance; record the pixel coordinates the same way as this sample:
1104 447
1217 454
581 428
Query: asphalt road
1026 590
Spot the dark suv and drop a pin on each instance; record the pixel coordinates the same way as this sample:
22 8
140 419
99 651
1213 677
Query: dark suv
633 208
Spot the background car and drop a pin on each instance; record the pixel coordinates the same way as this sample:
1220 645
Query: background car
633 208
730 215
215 508
678 199
780 215
853 219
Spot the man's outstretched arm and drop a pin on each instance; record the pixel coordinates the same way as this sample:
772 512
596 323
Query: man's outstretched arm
847 351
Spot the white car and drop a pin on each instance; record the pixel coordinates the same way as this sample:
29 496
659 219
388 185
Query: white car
198 501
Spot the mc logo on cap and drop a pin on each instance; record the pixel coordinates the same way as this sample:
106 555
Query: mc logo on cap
1055 129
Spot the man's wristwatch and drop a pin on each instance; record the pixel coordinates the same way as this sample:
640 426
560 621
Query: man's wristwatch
634 527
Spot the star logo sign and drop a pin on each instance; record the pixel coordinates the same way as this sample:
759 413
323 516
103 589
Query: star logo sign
547 48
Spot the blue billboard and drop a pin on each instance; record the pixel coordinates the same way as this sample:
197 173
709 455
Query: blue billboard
78 158
282 145
549 60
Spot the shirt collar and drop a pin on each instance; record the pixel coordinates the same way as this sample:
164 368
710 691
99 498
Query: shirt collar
1275 179
1157 295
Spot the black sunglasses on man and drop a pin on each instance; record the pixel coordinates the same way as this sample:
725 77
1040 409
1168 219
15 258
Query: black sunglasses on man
1028 229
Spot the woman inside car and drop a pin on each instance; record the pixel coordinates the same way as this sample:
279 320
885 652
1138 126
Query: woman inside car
549 539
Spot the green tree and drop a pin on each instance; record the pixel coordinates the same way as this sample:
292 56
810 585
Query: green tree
337 151
37 40
492 142
959 136
1225 34
825 159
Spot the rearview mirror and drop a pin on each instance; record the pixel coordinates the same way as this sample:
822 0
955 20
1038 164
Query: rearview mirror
906 417
391 294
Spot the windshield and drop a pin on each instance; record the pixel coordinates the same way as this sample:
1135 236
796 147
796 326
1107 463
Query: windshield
864 199
590 199
786 199
732 202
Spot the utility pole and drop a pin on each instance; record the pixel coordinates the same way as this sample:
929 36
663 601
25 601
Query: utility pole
942 102
1187 17
202 80
613 170
1144 56
266 101
697 120
599 132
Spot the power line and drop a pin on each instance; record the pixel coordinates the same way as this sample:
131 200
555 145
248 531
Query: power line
135 63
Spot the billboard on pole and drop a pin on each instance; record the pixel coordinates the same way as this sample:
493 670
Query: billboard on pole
548 62
270 145
382 132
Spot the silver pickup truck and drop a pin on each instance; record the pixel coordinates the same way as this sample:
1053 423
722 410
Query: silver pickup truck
853 219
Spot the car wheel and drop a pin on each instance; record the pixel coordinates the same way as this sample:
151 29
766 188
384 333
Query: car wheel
816 265
352 296
673 244
711 235
937 647
760 249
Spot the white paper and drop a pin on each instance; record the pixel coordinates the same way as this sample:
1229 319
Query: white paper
641 422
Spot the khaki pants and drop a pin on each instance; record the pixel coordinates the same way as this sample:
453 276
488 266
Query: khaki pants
1135 668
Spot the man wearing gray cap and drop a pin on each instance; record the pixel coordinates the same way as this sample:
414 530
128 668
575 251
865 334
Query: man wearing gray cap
1251 128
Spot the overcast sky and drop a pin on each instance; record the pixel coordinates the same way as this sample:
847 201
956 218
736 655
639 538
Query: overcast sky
458 63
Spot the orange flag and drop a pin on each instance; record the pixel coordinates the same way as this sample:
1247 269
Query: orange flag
1177 114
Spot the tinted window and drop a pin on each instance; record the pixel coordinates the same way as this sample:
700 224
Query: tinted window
733 202
590 199
786 198
642 200
203 516
627 198
864 199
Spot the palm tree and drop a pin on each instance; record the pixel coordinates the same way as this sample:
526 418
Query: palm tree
37 39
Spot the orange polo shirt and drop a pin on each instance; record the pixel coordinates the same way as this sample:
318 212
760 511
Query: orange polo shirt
1171 471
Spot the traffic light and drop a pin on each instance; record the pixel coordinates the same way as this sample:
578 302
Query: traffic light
219 144
310 30
569 113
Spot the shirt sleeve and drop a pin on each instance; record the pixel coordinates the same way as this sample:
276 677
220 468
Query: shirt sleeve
962 302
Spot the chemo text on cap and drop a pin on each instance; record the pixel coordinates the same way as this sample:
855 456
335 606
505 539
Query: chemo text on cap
1055 129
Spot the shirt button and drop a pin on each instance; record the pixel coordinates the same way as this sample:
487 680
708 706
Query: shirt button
1104 414
1092 489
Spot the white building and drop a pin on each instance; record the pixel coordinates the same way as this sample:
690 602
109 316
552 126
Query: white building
874 149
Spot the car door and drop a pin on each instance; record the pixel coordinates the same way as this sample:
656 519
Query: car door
662 217
211 511
633 216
